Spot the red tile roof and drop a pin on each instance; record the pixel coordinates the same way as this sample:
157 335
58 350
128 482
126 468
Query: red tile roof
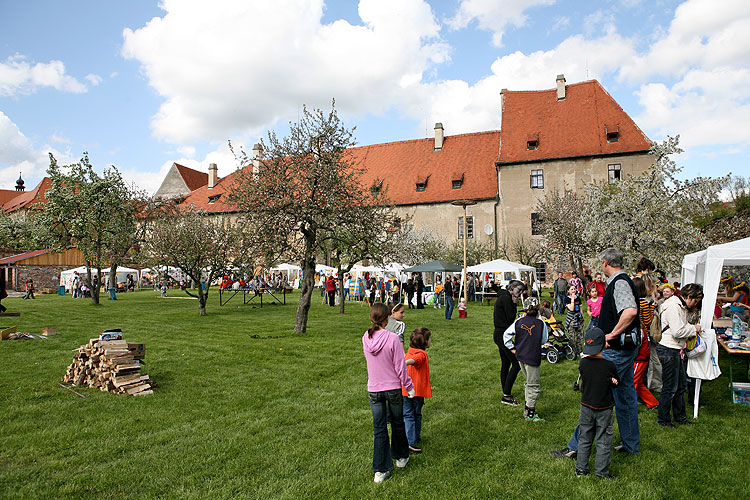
8 194
574 126
29 198
202 196
23 256
193 178
401 165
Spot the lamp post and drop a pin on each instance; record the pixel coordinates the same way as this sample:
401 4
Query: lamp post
464 203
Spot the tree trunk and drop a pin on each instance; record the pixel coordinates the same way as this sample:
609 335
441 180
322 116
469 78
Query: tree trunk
113 278
94 289
341 290
202 299
306 289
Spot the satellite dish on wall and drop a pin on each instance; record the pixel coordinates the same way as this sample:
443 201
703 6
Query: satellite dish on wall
488 229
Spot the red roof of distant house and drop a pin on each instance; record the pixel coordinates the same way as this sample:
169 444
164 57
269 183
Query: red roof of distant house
23 256
212 199
193 178
27 199
8 194
467 158
575 126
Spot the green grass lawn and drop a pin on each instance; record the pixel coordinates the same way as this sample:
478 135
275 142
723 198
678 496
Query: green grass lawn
247 409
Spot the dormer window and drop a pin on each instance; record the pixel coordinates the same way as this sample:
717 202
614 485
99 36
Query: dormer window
377 186
422 183
532 144
212 199
457 180
613 136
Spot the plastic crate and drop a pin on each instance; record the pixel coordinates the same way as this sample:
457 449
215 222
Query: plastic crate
741 393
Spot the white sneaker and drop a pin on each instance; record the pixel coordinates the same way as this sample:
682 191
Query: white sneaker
381 476
401 462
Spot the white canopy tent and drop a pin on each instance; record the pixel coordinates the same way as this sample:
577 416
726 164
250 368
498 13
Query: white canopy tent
705 268
287 268
66 277
503 266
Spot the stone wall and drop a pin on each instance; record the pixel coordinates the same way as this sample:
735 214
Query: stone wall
43 276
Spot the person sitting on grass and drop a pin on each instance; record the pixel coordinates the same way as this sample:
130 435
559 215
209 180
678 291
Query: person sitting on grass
386 375
418 366
598 376
525 339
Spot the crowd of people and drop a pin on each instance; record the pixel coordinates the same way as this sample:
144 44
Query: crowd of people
635 342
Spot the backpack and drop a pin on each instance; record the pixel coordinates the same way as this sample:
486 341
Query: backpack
655 330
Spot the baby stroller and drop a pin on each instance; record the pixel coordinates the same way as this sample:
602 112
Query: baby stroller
558 344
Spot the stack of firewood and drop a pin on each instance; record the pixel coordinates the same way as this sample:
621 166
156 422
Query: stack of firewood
110 365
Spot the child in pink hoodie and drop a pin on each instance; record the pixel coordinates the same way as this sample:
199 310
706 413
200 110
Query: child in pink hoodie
386 371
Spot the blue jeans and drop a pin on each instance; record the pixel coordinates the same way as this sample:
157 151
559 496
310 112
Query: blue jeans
384 405
560 301
448 306
413 419
626 401
674 380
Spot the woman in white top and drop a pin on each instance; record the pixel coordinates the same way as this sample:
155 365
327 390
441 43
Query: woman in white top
676 331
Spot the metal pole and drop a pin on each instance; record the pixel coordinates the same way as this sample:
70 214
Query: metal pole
466 300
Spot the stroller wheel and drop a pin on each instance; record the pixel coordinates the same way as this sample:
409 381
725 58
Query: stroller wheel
570 354
552 356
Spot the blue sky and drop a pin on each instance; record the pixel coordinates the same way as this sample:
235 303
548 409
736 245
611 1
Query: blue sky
141 84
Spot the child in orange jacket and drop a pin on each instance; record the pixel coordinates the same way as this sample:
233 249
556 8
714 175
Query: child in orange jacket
418 366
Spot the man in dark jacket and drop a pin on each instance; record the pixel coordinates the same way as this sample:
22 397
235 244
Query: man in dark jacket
504 316
561 290
449 302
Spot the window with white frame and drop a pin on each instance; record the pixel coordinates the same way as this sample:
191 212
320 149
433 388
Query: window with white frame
537 179
614 172
469 227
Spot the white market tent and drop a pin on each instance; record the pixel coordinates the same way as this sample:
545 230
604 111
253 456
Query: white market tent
705 268
287 268
326 270
66 277
503 266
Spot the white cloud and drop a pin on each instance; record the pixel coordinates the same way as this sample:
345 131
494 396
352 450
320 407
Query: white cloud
188 151
93 79
19 154
494 15
237 66
561 22
693 78
700 35
465 108
59 139
19 77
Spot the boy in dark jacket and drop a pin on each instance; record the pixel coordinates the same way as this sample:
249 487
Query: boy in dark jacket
598 375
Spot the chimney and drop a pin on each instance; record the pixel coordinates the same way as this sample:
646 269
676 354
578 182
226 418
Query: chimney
439 136
560 87
213 175
257 155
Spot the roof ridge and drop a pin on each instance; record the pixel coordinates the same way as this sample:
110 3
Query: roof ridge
425 139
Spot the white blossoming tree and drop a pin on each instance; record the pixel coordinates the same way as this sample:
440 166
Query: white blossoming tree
653 214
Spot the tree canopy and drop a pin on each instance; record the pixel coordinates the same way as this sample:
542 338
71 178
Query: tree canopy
305 194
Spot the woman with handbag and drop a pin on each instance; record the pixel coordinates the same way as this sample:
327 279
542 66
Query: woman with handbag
676 331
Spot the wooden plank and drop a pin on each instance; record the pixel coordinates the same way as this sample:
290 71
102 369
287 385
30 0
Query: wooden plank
10 314
143 393
138 388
